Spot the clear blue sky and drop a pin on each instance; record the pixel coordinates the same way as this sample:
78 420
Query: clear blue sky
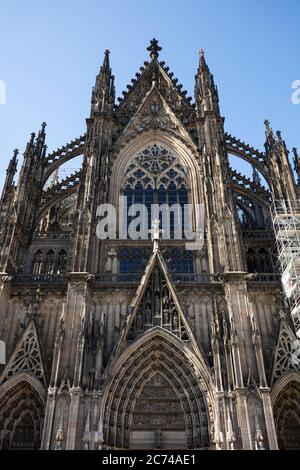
51 52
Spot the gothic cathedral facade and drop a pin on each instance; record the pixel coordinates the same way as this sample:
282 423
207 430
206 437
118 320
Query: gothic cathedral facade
124 343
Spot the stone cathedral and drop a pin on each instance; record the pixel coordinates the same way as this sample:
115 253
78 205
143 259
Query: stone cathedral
123 343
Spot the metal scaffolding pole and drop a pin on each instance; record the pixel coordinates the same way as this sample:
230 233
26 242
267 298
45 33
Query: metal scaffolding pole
286 222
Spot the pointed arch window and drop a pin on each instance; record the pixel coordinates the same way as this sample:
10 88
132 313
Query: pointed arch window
61 262
37 262
50 262
155 176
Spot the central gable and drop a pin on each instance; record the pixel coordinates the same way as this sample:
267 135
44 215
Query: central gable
154 72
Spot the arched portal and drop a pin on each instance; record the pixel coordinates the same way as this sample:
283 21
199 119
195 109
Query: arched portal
157 367
22 404
158 419
287 416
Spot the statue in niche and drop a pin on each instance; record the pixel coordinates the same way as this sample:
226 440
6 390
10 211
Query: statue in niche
175 321
148 315
148 297
157 305
166 311
156 279
139 321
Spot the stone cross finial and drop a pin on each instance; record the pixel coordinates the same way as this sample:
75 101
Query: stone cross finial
154 48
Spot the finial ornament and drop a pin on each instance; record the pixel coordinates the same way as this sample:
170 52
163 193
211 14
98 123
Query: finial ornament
154 48
155 234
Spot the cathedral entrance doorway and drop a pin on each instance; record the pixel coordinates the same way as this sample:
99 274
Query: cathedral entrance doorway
158 418
287 417
155 400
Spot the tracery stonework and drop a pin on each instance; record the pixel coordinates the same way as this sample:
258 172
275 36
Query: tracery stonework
143 343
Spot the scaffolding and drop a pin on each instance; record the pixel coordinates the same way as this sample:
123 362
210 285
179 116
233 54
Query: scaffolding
286 222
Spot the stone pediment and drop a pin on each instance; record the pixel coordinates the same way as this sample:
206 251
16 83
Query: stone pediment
156 305
27 357
287 352
154 72
154 113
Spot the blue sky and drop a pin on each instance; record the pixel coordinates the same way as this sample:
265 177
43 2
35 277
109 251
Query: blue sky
51 52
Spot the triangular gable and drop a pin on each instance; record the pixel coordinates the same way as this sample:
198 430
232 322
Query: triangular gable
65 386
287 352
156 304
167 86
26 357
154 113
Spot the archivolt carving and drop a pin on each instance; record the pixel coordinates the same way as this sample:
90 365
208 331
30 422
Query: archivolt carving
22 403
157 354
286 408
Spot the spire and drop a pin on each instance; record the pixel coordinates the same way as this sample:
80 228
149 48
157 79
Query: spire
154 49
270 139
12 166
103 95
10 173
206 93
40 142
281 142
202 63
296 163
105 65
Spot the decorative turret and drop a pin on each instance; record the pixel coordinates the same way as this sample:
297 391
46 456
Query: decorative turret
103 95
26 201
279 167
34 154
206 93
270 139
10 174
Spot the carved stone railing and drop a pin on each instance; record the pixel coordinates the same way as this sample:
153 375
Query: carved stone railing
258 235
108 278
264 277
203 278
126 278
44 279
52 236
136 277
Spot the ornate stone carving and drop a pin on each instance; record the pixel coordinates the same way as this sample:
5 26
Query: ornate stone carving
26 357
